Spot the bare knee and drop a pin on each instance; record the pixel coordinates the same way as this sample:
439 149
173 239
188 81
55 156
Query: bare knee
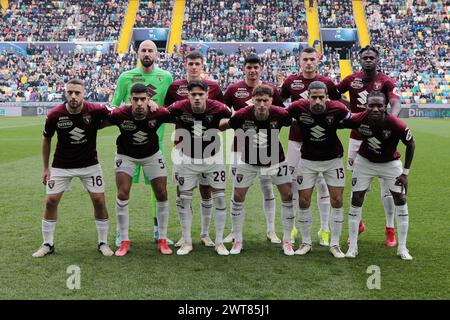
336 202
286 196
160 193
358 198
205 192
304 202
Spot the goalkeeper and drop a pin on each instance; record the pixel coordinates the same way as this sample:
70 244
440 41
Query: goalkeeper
157 81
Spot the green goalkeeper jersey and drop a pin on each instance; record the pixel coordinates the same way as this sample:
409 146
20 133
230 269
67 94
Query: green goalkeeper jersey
158 81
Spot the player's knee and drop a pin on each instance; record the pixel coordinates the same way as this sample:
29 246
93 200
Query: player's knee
219 200
205 192
304 202
123 195
336 201
399 199
51 202
357 199
238 196
286 196
161 194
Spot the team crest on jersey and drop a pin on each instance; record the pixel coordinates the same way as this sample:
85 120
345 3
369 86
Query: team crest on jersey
329 119
305 118
364 129
386 133
51 183
377 85
186 117
64 124
242 93
152 123
297 85
128 125
87 118
357 84
182 91
239 177
299 179
354 180
118 162
209 118
160 79
273 124
248 125
181 180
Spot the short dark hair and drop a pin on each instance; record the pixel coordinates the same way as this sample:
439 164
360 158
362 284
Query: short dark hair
252 58
317 85
139 88
197 83
262 89
369 48
376 94
194 55
309 50
76 81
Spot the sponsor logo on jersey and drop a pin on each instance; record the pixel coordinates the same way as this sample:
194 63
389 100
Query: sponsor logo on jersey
140 137
186 117
87 118
297 85
317 132
357 84
118 162
182 91
248 125
386 133
152 123
374 144
239 177
377 85
242 93
306 119
77 134
51 183
329 119
128 125
364 129
64 124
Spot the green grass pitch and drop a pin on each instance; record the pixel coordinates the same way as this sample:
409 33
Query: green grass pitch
261 271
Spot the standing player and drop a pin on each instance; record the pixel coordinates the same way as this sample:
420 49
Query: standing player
138 144
359 85
258 127
296 87
200 155
238 96
76 123
319 119
157 81
378 157
176 92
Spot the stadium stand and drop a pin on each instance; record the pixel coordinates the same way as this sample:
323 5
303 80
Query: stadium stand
413 37
336 14
246 20
41 73
89 20
154 14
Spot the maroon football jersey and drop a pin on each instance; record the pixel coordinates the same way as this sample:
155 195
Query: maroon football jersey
239 95
257 136
138 138
296 87
195 127
178 91
358 88
380 140
320 141
77 134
